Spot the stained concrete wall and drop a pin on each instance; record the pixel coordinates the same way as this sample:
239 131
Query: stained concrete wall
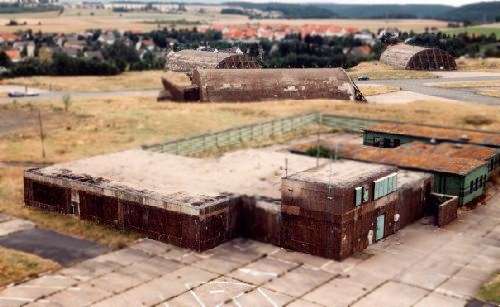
224 85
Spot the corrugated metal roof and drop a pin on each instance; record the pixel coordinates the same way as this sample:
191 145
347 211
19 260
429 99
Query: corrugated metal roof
439 133
414 155
453 150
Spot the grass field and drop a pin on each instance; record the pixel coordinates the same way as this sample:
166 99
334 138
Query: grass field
490 291
141 80
17 266
483 29
375 89
77 20
487 64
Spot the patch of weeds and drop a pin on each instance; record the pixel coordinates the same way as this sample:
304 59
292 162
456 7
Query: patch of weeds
477 120
490 291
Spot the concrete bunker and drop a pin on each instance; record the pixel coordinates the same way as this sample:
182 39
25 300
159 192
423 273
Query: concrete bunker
200 203
404 56
246 85
188 60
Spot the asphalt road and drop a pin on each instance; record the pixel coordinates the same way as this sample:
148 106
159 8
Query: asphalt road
82 94
418 86
49 244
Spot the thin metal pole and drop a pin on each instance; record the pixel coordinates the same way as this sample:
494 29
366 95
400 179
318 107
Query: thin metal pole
317 150
42 135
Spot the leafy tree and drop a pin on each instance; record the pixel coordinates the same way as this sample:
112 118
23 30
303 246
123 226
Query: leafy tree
5 60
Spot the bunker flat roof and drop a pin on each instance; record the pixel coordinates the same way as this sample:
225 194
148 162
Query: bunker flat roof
186 182
342 172
438 133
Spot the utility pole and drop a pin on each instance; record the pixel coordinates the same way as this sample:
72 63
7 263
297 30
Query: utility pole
317 151
42 136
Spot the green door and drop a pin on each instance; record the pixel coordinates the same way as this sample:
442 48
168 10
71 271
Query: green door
380 227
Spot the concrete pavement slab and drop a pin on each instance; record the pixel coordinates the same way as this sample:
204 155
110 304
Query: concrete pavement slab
217 265
151 268
235 253
8 226
213 293
436 299
260 297
392 294
125 256
425 279
115 282
303 303
339 292
262 270
183 255
89 269
299 281
13 301
300 258
160 289
368 279
82 294
459 287
152 247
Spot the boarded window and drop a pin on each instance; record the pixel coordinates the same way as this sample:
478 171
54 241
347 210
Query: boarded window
376 189
358 196
384 186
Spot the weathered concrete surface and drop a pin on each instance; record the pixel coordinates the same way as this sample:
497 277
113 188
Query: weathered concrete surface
12 225
419 266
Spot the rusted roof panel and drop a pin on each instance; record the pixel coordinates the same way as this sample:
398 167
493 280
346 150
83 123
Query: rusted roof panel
414 155
439 133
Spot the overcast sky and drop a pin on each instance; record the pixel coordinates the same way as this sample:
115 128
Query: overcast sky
447 2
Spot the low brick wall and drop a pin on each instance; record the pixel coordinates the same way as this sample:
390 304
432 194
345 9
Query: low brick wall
446 208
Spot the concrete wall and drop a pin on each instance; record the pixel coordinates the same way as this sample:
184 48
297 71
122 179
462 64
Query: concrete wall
314 223
224 85
131 211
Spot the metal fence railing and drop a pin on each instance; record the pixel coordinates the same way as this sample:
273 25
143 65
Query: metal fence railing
234 136
261 131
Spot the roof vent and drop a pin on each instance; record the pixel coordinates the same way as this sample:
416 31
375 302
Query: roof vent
464 138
